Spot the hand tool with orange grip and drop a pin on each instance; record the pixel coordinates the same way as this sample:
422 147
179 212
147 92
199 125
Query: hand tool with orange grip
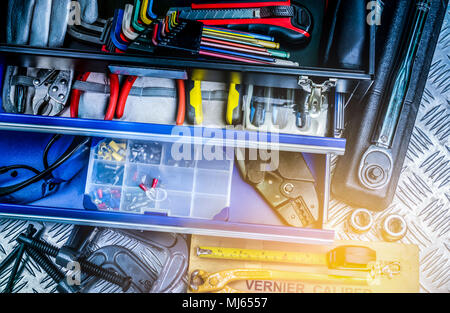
181 87
117 100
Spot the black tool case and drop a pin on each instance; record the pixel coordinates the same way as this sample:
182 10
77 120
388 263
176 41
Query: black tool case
363 115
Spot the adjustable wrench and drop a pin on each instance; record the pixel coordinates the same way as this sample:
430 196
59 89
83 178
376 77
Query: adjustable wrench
202 281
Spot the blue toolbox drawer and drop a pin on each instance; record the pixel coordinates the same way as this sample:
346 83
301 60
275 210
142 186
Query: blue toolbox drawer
219 135
248 215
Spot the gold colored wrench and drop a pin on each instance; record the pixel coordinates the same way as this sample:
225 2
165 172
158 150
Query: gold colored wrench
202 281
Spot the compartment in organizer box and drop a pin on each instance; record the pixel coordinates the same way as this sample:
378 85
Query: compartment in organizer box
188 184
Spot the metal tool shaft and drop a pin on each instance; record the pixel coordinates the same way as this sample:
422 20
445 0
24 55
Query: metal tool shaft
377 164
388 123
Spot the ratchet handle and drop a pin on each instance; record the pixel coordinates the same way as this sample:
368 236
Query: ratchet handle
385 130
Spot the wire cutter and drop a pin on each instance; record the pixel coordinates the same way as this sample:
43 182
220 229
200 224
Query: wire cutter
117 100
289 189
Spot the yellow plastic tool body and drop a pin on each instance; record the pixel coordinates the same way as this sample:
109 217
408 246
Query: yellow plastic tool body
234 97
195 101
202 281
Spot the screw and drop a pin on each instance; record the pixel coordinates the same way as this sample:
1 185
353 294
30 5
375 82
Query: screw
86 266
20 251
51 270
288 188
9 259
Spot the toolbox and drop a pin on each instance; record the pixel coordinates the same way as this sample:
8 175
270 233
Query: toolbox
246 215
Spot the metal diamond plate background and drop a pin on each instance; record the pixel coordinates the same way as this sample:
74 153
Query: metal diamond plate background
33 279
423 193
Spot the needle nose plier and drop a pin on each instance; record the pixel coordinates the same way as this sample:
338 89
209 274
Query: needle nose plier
117 100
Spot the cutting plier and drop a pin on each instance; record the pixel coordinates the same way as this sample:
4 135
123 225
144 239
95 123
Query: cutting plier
117 100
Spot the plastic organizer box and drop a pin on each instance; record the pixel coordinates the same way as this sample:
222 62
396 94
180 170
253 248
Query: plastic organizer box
150 177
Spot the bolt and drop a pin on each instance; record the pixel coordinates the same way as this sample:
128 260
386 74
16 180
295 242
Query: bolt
21 249
9 259
63 82
51 270
375 173
61 96
288 188
86 266
55 89
36 82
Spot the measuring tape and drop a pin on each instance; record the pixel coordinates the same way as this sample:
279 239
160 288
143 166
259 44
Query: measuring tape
342 258
262 256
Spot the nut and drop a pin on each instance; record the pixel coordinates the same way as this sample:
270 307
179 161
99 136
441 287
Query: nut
393 227
360 221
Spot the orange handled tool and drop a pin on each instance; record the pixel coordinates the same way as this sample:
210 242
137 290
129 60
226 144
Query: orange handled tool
181 102
124 92
76 94
117 100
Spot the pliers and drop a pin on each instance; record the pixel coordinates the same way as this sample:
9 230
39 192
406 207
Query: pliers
117 99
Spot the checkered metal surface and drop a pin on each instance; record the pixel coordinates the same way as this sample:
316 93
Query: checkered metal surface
423 193
33 279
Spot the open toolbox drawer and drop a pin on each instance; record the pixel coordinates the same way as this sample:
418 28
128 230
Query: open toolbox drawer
80 57
246 216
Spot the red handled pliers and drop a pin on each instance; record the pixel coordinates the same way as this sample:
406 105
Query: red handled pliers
117 100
